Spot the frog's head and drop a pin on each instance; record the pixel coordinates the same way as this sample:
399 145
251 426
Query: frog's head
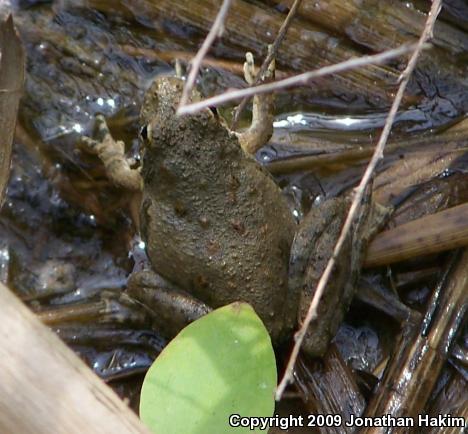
160 104
162 98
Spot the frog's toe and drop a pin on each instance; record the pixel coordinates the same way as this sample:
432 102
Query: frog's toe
250 74
102 130
249 68
270 72
88 144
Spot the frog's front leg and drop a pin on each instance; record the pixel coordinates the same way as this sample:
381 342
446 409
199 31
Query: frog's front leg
112 154
170 307
261 127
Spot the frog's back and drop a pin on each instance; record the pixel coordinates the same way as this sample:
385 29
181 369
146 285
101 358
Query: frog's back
215 222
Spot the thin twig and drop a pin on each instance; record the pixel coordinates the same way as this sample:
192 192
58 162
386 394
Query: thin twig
296 80
271 55
358 195
215 31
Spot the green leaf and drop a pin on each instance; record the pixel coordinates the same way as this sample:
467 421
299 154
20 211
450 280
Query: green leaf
219 365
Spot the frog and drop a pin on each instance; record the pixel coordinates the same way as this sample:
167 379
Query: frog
217 227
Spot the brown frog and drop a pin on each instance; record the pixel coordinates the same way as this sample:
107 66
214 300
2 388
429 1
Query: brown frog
216 224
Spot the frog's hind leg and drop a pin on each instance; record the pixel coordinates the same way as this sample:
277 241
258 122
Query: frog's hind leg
261 127
112 154
171 308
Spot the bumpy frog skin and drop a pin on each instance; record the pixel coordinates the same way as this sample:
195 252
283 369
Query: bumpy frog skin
216 224
214 221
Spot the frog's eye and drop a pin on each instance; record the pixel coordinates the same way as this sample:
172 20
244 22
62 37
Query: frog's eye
145 133
214 110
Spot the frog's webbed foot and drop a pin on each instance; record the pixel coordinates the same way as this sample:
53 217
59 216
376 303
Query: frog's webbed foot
261 127
112 154
171 308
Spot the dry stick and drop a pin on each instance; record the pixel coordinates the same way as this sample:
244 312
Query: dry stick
296 80
11 88
266 63
215 31
359 193
447 229
45 387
